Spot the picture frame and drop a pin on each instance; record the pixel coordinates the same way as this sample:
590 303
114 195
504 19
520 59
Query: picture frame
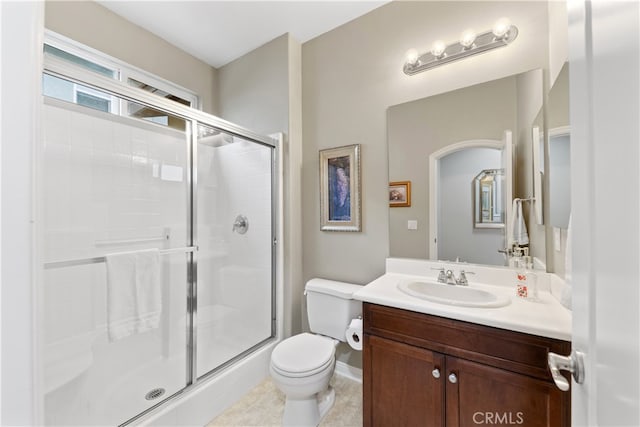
400 194
340 189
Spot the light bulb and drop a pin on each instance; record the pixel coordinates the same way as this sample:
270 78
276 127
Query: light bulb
437 48
467 38
411 57
501 28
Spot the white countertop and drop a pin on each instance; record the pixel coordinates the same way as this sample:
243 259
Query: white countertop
545 317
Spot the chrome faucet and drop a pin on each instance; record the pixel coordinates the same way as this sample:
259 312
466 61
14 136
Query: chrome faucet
450 278
441 276
462 279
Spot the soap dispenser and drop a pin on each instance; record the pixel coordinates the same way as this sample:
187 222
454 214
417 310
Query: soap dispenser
516 258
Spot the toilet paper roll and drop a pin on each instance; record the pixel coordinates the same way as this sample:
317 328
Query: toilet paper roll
354 334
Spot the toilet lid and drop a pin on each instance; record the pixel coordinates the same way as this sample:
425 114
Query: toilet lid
303 353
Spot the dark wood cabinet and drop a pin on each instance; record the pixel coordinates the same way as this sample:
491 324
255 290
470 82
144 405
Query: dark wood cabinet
423 370
405 391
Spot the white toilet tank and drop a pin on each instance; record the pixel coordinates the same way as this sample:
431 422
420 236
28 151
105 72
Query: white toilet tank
330 306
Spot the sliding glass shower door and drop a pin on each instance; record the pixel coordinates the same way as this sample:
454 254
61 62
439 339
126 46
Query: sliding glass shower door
156 232
117 248
235 241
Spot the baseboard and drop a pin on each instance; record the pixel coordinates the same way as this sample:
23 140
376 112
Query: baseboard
349 371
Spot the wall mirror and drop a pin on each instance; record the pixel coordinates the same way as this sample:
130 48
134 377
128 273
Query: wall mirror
488 205
557 172
559 149
559 177
537 138
418 129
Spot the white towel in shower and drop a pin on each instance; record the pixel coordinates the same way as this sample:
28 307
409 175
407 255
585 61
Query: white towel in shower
134 300
517 232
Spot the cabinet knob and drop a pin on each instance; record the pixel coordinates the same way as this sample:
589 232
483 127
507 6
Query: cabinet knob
436 373
453 378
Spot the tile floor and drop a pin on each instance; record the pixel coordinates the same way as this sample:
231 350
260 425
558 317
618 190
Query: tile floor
263 406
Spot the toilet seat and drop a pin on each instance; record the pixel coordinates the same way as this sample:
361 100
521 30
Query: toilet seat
303 355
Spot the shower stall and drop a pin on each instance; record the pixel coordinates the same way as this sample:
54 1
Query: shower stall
158 241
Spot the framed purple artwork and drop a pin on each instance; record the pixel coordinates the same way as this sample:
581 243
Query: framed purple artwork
340 189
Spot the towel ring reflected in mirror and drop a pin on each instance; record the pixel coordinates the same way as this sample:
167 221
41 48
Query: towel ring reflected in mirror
488 203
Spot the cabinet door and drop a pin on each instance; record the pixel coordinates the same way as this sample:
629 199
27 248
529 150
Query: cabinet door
403 385
481 394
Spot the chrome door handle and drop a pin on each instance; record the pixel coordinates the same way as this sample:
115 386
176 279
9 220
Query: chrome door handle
436 373
453 378
573 363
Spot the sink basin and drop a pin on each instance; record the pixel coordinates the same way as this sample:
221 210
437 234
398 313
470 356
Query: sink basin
453 294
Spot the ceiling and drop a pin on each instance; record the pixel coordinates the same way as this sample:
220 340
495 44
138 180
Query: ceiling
217 32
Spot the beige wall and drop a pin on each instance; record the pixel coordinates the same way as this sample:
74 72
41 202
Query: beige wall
558 104
558 37
253 90
93 25
351 75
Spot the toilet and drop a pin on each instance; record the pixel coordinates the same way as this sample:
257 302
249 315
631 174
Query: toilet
302 365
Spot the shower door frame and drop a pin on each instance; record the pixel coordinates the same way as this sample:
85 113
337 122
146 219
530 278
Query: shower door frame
61 69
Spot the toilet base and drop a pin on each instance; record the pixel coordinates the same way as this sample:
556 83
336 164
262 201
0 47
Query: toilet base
325 399
308 412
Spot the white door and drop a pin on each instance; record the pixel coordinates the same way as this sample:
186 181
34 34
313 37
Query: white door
605 154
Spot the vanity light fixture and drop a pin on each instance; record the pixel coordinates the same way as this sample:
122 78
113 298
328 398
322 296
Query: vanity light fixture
470 43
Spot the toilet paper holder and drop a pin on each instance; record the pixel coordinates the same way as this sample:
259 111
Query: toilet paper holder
358 325
354 333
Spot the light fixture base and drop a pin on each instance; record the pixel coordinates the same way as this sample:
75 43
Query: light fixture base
484 42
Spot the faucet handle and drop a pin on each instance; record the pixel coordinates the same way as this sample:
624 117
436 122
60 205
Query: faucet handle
462 279
442 278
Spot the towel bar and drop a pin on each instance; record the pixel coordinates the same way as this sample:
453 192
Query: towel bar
131 241
97 260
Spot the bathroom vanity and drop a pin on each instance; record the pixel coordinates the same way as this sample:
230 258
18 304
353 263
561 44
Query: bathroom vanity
434 364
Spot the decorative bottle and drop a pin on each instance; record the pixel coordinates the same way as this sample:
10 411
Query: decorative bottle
526 279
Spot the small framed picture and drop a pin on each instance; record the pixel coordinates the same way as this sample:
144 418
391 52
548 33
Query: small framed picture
400 194
340 189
